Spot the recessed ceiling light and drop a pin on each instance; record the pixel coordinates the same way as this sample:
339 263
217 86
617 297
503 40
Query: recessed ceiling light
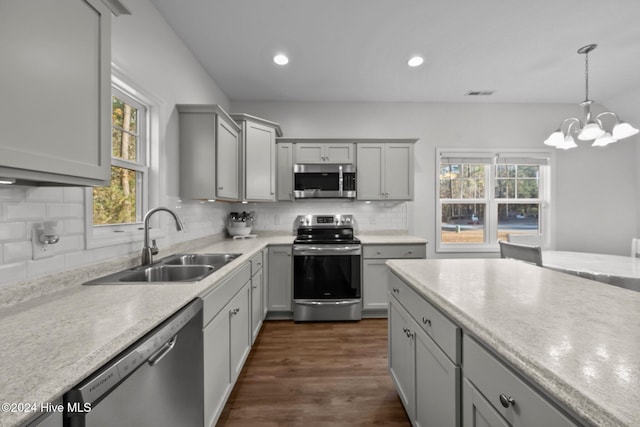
415 61
281 59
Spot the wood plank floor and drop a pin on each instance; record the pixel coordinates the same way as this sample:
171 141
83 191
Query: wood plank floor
316 374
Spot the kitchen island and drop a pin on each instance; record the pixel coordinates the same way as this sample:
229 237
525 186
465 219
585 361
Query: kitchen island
575 341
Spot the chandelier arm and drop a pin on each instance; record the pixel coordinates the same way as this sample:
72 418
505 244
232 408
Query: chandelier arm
573 121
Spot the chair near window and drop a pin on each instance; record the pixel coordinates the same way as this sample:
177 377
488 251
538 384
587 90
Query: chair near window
635 247
527 253
525 239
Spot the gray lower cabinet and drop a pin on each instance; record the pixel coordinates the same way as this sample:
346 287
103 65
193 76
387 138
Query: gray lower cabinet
280 279
493 391
427 381
375 273
444 377
257 289
227 339
57 63
265 282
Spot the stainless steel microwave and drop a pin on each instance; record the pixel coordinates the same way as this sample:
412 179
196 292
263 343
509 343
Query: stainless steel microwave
324 181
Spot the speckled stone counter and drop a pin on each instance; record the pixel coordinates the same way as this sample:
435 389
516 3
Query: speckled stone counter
55 340
575 339
389 238
55 331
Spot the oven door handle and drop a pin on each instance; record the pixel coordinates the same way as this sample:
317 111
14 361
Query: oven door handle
327 250
319 303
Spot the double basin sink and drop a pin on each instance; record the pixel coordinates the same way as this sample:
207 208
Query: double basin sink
177 268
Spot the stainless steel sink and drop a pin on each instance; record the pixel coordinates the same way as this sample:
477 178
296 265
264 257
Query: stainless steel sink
177 268
216 260
169 273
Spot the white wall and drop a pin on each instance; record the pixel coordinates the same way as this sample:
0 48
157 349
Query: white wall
593 209
150 56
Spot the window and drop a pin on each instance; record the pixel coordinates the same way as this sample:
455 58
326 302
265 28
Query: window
119 207
483 196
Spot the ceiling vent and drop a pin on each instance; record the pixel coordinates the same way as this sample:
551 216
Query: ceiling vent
479 93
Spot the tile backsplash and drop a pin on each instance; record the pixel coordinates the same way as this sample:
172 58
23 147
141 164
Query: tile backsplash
22 207
370 217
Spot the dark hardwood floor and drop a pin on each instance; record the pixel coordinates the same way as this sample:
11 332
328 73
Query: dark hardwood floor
316 374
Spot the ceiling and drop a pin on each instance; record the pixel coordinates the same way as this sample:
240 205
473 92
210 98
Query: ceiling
357 50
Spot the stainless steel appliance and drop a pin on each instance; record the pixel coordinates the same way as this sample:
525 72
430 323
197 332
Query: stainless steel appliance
158 381
324 181
327 269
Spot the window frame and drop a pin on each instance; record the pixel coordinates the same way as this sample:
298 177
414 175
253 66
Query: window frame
490 157
102 235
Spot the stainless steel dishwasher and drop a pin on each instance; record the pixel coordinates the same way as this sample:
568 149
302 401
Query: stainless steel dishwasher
158 381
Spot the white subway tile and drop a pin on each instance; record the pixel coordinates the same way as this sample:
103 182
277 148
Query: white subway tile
73 226
78 259
16 251
15 194
45 194
65 210
24 210
13 231
74 194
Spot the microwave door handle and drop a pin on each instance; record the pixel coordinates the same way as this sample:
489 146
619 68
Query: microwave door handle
340 180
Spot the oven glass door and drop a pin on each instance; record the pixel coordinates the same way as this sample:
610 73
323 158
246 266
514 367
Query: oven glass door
326 276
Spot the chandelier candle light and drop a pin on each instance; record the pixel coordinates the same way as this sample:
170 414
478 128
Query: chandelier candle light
591 129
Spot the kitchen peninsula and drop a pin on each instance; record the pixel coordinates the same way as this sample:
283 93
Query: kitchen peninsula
568 340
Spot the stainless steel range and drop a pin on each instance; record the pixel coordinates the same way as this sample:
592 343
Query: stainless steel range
327 269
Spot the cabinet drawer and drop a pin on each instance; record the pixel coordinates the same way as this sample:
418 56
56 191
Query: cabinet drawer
256 263
394 251
444 332
493 380
222 294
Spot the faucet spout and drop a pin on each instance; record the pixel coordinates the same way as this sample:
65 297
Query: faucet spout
148 251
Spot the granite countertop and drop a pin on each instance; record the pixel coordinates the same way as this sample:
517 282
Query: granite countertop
56 331
53 341
576 339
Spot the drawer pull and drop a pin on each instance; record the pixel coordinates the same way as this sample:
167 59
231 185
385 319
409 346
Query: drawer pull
426 321
506 401
396 290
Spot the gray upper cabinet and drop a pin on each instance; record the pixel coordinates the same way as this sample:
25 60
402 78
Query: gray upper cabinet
325 152
209 153
258 142
285 171
385 171
55 81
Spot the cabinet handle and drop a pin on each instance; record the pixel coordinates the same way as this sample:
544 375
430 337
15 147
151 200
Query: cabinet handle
396 290
235 311
259 264
409 253
220 188
426 321
378 252
506 401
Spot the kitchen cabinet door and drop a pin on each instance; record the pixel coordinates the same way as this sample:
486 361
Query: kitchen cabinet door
385 171
437 392
402 355
398 172
280 278
285 171
217 362
55 81
374 292
240 330
265 282
256 305
227 161
370 172
208 142
310 152
477 411
260 162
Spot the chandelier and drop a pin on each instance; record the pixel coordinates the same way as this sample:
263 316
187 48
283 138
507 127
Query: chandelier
604 129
